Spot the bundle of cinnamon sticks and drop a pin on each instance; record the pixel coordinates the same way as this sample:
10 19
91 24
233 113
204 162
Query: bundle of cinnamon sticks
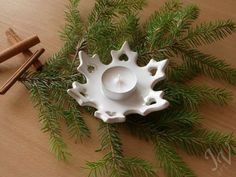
20 46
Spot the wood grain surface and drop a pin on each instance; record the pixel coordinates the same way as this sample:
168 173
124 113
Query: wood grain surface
24 150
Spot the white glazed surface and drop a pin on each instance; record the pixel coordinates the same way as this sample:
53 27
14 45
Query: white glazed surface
115 110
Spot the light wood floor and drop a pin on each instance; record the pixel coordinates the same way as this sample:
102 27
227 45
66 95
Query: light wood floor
24 148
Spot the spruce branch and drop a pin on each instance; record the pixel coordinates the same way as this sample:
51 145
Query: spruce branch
219 141
171 6
148 127
174 118
111 141
95 37
48 88
114 164
182 73
76 125
137 167
74 26
164 28
139 127
111 164
106 9
208 65
181 129
67 107
207 33
99 168
171 162
215 95
158 29
128 29
183 19
192 96
49 119
198 141
71 34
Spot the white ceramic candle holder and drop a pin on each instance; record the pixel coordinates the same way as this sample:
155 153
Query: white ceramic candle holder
120 88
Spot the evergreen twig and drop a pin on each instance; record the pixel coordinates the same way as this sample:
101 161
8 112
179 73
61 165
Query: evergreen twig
171 162
206 33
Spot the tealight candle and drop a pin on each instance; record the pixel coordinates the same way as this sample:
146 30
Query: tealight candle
118 82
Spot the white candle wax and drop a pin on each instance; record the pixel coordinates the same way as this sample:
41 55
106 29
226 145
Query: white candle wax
118 82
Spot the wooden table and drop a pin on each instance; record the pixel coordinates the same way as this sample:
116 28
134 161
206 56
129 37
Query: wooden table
24 148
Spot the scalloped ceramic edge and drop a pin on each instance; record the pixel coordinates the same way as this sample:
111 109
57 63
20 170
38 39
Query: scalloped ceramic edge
143 100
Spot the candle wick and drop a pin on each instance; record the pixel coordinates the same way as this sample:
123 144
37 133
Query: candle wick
118 81
118 78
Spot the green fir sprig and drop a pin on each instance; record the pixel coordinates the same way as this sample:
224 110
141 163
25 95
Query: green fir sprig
168 33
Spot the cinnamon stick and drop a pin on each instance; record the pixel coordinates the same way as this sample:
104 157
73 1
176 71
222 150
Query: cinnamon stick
20 71
13 38
18 48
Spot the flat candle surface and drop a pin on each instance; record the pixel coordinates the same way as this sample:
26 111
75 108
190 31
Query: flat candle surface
119 79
